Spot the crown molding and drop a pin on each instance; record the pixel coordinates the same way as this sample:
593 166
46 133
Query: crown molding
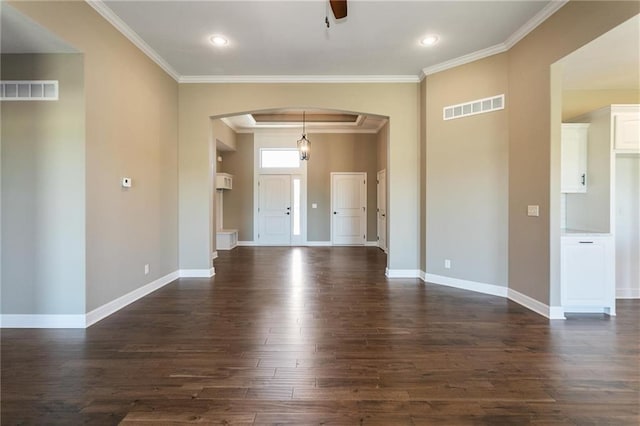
100 7
299 79
461 60
514 38
120 25
551 8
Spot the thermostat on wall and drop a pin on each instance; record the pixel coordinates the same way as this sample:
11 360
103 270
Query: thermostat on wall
126 182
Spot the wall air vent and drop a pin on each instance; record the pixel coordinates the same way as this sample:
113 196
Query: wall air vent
29 90
479 106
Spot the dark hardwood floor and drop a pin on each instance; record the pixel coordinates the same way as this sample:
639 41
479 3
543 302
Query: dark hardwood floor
318 335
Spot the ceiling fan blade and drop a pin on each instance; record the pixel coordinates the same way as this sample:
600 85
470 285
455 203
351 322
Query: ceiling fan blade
339 8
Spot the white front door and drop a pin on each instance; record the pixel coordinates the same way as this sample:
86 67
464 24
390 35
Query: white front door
348 208
274 210
382 209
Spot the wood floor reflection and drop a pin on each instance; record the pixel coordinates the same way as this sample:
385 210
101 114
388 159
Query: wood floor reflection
319 335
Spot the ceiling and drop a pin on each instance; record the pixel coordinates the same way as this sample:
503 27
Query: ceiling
317 121
290 38
610 62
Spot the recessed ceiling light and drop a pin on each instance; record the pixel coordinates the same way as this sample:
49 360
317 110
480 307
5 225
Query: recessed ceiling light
218 40
429 40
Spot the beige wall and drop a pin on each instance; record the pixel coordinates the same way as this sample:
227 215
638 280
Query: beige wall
578 102
238 202
199 102
466 175
382 145
345 152
529 111
225 135
131 130
423 175
43 190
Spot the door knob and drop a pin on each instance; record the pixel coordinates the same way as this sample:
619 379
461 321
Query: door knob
288 213
335 212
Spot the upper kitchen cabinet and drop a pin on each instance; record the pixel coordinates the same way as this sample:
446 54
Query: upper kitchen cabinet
626 130
574 157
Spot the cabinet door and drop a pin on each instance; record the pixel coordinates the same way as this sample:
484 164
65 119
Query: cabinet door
586 273
573 174
627 132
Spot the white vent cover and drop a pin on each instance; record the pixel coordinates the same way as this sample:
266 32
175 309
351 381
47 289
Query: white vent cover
479 106
29 90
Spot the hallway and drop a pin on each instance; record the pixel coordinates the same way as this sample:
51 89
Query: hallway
319 335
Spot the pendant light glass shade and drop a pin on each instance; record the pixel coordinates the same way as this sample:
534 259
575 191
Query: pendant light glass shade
304 145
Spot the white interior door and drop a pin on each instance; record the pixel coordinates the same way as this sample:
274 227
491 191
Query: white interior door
382 209
349 211
274 210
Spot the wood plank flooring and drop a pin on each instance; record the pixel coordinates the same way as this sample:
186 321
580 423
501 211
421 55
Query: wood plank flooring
319 336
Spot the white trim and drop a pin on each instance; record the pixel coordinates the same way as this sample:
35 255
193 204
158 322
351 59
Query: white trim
551 8
104 10
535 306
551 312
214 255
402 273
222 79
628 293
42 321
465 59
555 312
494 290
371 244
115 305
247 243
318 244
533 23
197 273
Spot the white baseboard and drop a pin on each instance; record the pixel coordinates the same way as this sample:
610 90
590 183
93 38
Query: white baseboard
556 312
86 320
494 290
371 243
318 244
197 273
551 312
115 305
628 293
402 273
214 255
42 321
247 243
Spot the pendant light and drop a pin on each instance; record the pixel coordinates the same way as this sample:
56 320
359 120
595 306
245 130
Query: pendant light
304 145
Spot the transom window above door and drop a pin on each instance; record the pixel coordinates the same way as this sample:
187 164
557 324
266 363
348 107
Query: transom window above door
279 158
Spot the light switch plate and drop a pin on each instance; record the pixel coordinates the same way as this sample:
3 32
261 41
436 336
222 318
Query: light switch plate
314 206
533 210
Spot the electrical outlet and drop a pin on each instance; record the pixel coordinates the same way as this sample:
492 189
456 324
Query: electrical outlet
146 269
447 263
533 210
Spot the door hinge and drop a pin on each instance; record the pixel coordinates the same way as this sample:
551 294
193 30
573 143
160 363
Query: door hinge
378 237
258 236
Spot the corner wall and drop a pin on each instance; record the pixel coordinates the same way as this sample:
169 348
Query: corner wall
466 175
131 130
43 190
530 156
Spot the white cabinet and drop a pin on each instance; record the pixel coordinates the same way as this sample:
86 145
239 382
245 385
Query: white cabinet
224 181
588 274
573 173
626 136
